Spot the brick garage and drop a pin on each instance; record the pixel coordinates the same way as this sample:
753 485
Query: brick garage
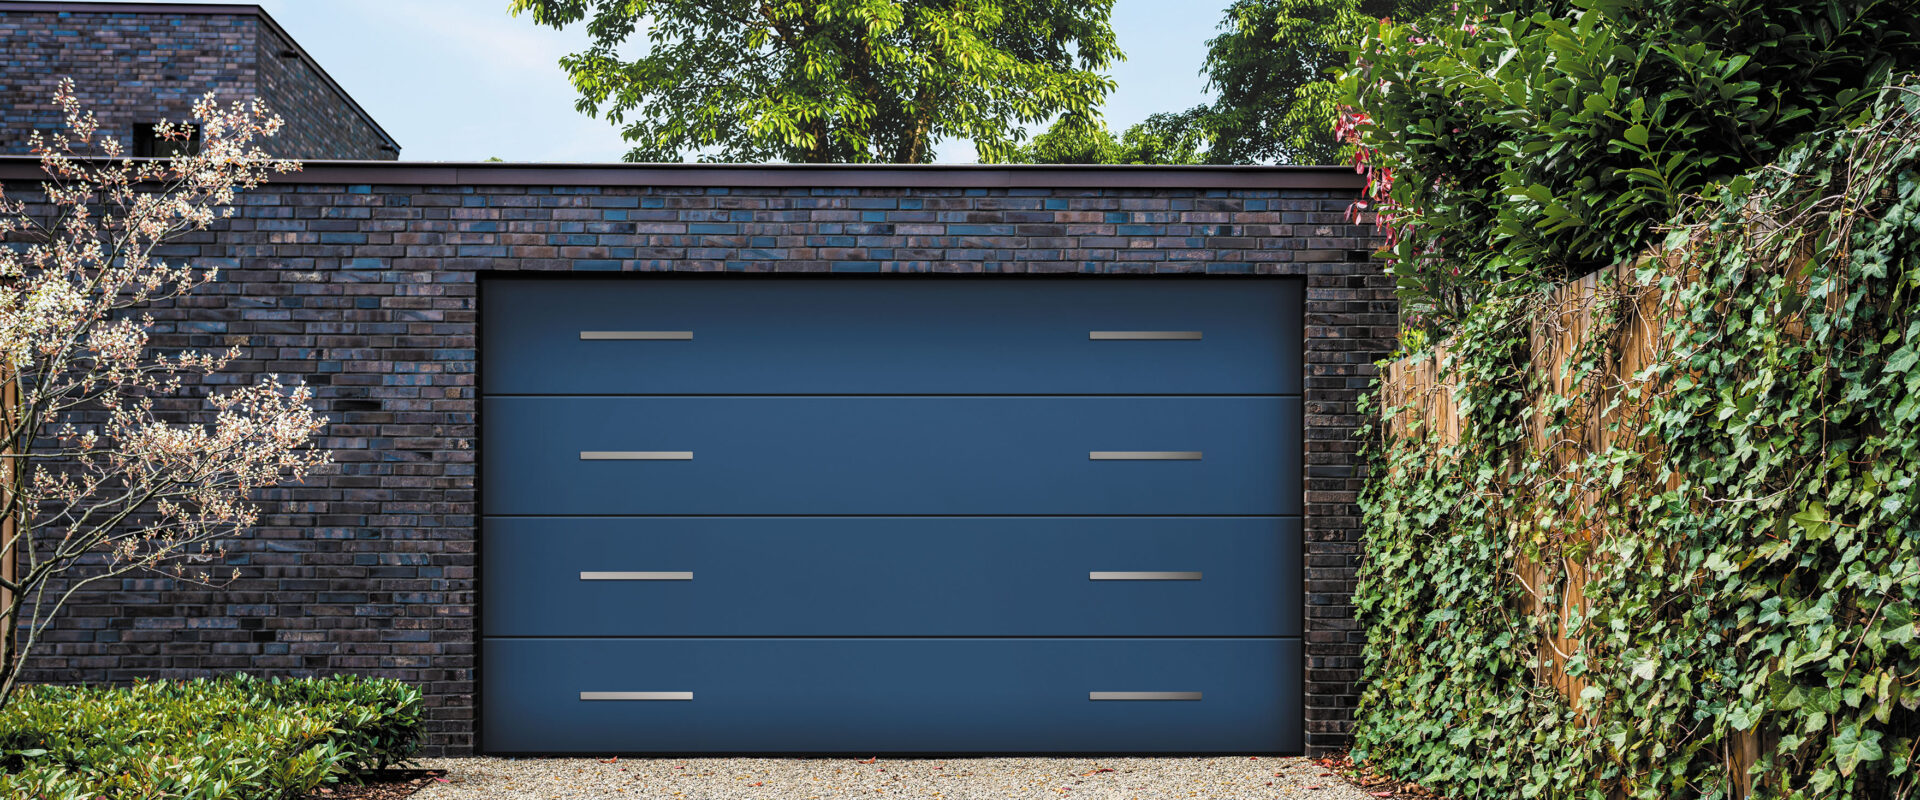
361 279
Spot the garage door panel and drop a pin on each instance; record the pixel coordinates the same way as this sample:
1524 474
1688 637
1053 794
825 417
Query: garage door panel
895 576
891 695
891 515
893 455
853 336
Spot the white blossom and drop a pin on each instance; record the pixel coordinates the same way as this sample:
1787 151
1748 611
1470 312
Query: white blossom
94 483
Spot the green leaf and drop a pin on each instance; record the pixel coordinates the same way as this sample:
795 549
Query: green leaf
1853 746
1814 520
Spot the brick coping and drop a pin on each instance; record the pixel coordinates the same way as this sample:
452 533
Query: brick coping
943 176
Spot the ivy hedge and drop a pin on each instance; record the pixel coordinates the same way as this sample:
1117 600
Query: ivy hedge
1753 562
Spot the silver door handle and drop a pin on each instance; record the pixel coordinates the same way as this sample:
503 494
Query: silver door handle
636 455
1144 455
1162 336
636 695
636 576
646 336
1143 695
1139 576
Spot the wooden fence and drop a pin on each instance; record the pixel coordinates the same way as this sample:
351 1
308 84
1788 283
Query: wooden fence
1422 391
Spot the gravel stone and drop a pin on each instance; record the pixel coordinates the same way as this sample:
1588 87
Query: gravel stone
1219 778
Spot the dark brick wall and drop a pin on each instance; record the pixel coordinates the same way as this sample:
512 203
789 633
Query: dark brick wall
150 67
327 126
126 68
367 292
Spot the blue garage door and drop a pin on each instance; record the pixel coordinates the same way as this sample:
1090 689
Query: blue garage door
900 515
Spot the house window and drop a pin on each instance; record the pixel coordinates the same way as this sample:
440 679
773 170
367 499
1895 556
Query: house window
148 143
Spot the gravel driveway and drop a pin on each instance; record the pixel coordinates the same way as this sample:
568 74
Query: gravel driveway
1224 778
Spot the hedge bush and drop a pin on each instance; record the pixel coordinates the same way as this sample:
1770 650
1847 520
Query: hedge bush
238 738
1524 141
1753 557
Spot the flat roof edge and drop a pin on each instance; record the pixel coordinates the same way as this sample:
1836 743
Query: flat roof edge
825 176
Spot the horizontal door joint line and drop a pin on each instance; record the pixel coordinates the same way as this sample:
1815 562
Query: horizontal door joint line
888 395
902 637
891 516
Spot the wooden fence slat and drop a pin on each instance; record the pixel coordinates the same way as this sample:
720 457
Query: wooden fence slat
1419 389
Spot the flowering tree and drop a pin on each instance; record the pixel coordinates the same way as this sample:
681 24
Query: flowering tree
93 483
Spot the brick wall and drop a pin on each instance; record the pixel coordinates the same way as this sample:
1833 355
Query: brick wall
367 292
133 68
320 123
127 68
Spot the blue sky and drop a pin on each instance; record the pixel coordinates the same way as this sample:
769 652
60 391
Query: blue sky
459 80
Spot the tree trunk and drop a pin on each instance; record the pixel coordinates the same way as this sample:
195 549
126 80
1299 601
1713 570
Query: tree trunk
819 153
12 479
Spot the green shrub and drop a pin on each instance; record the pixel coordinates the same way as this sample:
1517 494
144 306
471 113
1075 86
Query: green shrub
1529 140
239 737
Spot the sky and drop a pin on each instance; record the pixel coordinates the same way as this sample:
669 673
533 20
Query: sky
460 80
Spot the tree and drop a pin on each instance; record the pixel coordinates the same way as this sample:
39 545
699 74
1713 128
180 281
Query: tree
1275 70
94 485
830 81
1070 142
1511 144
1166 138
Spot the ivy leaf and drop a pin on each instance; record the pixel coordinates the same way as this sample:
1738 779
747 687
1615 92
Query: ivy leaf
1645 668
1813 517
1854 746
1720 565
1898 627
1908 409
1903 359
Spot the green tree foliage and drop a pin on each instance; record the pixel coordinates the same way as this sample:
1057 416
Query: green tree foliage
833 80
1749 530
1529 140
1275 69
1165 138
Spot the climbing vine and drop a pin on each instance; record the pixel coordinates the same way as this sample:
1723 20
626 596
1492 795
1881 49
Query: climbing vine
1735 519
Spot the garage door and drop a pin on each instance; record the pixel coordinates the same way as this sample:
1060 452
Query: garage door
891 515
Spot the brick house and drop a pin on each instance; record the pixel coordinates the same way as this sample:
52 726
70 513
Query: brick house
134 65
762 458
